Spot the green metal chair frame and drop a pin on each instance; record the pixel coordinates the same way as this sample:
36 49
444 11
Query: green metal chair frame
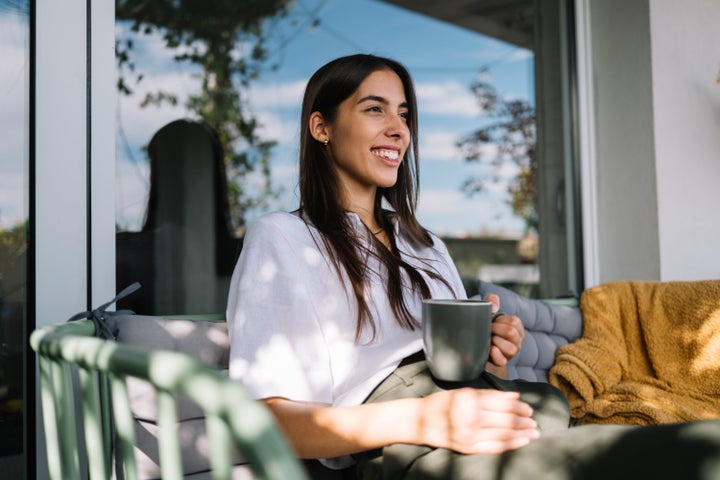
232 417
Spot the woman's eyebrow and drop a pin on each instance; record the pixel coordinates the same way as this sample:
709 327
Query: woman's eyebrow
383 100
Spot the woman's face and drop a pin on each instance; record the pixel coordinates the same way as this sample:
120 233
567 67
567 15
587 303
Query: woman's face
370 135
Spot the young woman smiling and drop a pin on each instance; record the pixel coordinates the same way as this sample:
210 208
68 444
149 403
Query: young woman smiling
325 302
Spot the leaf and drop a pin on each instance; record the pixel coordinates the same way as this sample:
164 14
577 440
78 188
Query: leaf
509 124
210 35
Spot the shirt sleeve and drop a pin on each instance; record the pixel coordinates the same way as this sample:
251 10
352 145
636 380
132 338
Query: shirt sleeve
276 342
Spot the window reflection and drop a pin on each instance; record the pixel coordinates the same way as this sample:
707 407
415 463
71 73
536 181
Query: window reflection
14 125
174 68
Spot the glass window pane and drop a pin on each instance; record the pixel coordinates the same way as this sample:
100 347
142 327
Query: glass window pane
195 104
14 128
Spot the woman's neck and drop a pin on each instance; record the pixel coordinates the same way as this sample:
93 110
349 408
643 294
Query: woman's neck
364 207
366 212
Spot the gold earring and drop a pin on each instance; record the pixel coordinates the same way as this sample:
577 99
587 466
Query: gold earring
326 142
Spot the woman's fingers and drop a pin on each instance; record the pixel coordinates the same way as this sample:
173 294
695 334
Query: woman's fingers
479 421
497 357
495 300
507 336
492 408
509 327
499 445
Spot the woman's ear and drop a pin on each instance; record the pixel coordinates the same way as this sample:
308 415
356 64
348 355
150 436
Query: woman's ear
318 128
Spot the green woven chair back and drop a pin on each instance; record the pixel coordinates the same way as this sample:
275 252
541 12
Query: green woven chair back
71 351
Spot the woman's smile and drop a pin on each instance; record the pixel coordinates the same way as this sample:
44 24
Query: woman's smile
390 157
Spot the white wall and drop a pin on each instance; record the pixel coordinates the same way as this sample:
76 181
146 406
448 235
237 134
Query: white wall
651 138
686 103
625 225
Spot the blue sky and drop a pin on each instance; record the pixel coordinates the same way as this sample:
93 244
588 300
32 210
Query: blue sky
443 60
14 52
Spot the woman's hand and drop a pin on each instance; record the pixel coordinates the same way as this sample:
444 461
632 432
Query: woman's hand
465 420
507 335
474 421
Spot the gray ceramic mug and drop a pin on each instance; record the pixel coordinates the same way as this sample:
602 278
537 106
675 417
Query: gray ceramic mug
456 337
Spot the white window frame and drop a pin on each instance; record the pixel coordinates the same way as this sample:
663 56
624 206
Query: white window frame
74 163
587 145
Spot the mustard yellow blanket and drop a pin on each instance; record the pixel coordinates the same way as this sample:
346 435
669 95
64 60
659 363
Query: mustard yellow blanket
649 353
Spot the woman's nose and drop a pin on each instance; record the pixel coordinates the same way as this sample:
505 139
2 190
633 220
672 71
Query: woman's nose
397 126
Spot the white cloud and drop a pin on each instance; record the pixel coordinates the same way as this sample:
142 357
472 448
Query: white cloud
14 30
14 74
14 122
140 124
498 52
450 212
14 126
520 55
181 82
286 172
267 101
439 145
13 77
447 98
150 52
508 170
277 127
277 95
277 109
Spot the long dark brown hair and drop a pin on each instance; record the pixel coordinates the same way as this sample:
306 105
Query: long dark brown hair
321 196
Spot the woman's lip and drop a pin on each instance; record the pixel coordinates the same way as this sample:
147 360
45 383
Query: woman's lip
389 161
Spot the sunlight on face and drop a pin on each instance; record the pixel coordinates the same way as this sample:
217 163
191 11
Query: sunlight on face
370 135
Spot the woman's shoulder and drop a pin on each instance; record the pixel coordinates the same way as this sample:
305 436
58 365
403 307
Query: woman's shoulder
278 225
274 219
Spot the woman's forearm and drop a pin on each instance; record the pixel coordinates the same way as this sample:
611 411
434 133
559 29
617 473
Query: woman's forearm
320 431
465 420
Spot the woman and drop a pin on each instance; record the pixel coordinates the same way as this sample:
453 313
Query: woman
325 301
324 309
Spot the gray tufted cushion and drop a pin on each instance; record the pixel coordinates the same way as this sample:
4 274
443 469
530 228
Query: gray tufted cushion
547 326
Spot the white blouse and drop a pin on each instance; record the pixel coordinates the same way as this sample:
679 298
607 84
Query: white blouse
292 320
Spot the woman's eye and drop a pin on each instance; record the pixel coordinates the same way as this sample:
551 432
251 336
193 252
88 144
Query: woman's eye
374 108
404 115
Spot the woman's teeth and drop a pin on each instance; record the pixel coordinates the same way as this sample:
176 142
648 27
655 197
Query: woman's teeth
391 154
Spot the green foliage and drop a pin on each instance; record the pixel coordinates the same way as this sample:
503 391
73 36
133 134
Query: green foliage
226 39
13 263
13 243
511 128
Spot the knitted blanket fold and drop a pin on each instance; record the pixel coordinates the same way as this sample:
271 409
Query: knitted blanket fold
649 354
